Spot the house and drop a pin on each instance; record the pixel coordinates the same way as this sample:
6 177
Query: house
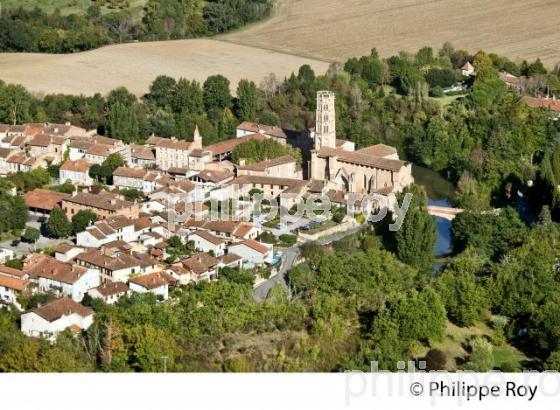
170 152
63 278
11 288
76 172
270 131
116 266
201 266
256 253
142 156
104 204
231 260
107 230
6 254
547 104
65 252
212 178
228 229
468 70
140 179
155 282
284 166
22 162
5 153
42 201
206 242
54 317
110 292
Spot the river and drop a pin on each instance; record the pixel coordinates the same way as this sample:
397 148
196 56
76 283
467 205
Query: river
440 192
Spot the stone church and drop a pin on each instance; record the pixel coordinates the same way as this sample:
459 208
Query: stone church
374 169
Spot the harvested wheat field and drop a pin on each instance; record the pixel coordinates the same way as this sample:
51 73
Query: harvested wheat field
136 65
337 29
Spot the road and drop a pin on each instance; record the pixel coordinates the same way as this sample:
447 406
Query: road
289 258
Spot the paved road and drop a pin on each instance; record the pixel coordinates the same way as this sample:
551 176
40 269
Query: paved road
289 257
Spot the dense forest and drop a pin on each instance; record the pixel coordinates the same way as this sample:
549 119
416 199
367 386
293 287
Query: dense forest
372 295
39 31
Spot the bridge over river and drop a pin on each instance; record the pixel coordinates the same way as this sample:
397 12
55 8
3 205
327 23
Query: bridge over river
444 212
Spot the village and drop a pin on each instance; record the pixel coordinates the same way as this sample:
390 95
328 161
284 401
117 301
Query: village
132 246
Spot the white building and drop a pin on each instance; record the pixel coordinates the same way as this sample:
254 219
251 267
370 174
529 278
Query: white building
253 252
206 242
49 320
11 288
110 292
76 172
156 283
107 230
63 278
6 254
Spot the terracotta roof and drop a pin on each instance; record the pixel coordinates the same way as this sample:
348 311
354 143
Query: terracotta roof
142 152
103 200
169 143
355 157
96 257
44 199
64 247
379 150
80 165
58 308
547 103
40 140
271 130
200 263
99 150
230 258
152 280
263 165
7 271
214 175
112 288
5 152
256 246
130 172
214 240
227 146
43 266
13 283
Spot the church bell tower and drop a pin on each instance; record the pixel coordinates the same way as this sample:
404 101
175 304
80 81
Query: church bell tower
325 126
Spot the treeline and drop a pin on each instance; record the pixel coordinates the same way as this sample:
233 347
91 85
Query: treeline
491 145
38 31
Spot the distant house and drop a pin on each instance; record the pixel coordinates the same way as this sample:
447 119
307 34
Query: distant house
548 104
206 242
155 282
42 201
11 288
104 204
468 70
110 292
281 167
254 252
49 320
63 278
76 172
201 266
107 230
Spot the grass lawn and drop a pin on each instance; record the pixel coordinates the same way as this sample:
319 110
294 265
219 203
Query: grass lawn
67 6
455 339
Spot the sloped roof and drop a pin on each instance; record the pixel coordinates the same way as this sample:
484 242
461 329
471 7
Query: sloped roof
58 308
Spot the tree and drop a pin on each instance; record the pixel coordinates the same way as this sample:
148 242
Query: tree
416 238
462 291
31 235
58 225
187 97
481 358
216 93
247 100
114 161
15 103
82 219
122 122
161 91
435 360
